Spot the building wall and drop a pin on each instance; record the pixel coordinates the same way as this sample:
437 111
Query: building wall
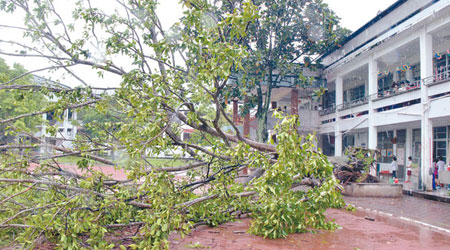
423 107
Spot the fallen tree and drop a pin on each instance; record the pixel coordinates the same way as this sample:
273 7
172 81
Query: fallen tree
360 162
169 80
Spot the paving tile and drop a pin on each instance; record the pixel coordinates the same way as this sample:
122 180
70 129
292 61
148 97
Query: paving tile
426 211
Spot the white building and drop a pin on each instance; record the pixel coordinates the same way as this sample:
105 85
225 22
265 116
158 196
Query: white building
66 128
389 87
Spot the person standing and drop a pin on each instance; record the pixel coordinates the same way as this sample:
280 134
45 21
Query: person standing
409 169
434 173
394 167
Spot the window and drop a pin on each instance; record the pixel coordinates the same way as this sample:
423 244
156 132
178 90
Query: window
50 116
348 141
69 114
441 66
69 132
440 142
357 93
386 146
384 83
416 72
440 132
401 137
328 99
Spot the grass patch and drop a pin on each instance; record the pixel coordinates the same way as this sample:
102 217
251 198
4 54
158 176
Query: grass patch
163 162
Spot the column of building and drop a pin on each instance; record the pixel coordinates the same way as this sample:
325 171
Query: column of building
337 132
372 90
426 70
373 83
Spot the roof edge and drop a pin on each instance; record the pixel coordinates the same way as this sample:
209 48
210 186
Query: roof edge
364 27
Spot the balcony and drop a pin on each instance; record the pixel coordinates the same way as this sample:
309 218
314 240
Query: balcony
327 111
404 87
354 103
438 85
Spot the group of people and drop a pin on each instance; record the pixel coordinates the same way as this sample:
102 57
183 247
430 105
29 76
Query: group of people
399 87
394 168
438 165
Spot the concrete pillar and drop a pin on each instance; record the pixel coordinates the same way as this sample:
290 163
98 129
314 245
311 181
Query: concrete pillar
235 112
294 102
373 89
426 153
337 131
426 70
74 118
394 146
339 91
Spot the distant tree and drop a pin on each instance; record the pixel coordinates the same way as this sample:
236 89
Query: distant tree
14 101
169 80
284 39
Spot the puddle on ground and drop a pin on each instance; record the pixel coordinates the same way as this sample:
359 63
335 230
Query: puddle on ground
356 232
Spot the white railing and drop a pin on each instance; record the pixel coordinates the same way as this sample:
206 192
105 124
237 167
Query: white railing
327 111
354 103
404 87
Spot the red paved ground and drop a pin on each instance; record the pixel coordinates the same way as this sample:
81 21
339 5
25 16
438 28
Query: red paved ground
356 233
428 211
116 174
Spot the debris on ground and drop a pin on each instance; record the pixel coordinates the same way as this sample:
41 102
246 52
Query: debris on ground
359 163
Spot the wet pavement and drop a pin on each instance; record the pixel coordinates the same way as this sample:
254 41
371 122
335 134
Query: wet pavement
419 210
356 232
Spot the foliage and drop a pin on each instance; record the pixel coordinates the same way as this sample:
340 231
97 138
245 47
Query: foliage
279 207
95 119
14 102
169 80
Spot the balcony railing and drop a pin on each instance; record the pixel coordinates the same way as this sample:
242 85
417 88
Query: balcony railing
354 103
437 78
404 86
327 111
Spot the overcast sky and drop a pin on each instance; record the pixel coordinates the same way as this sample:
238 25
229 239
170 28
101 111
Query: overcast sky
353 14
356 13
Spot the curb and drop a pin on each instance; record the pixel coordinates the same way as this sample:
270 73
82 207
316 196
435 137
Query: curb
405 219
427 196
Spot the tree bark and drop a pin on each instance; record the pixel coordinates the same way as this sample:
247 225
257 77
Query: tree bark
262 127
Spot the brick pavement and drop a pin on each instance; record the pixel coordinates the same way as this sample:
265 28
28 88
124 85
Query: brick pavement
431 212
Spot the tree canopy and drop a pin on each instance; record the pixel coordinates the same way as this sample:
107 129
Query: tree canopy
14 101
170 79
286 38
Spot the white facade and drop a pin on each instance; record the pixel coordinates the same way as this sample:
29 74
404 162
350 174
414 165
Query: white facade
391 83
66 130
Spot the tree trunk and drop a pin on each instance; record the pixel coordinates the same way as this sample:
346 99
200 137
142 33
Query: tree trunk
262 126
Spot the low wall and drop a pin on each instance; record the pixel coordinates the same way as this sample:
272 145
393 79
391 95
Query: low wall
374 190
